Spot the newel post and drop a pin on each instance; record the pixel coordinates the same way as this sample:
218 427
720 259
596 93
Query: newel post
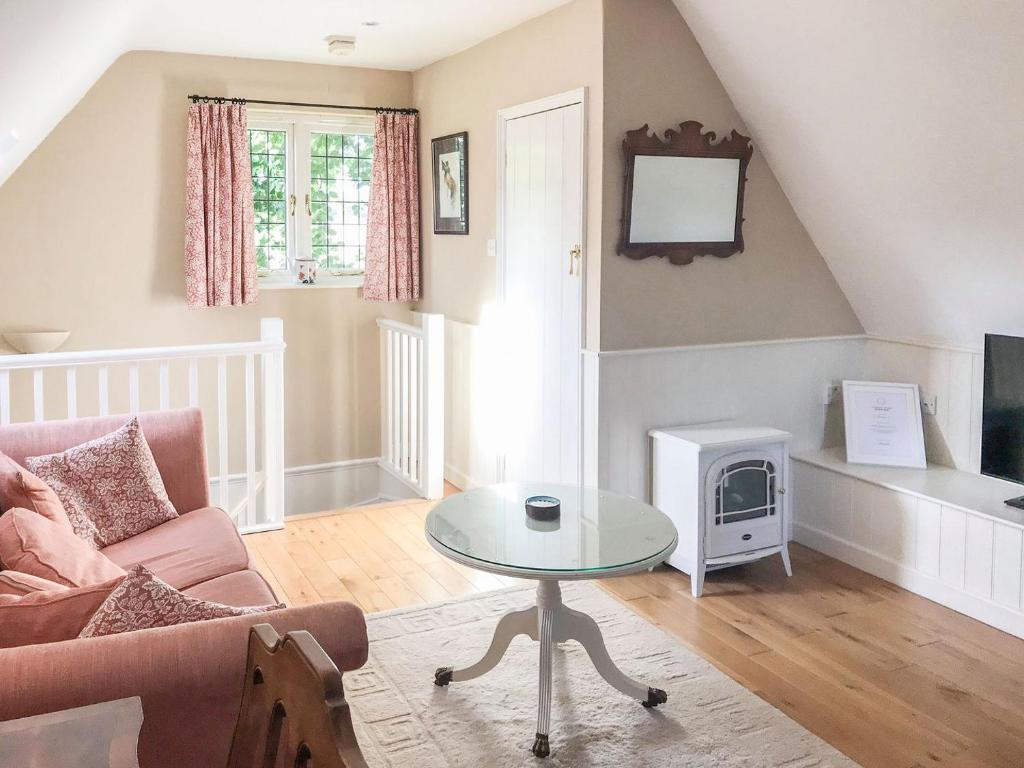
433 405
272 330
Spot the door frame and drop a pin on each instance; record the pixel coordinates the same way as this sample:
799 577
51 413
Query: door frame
546 104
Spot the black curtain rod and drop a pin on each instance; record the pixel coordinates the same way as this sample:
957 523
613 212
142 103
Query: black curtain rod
195 98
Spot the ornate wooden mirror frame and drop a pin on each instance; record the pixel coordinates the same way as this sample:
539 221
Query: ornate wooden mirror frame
688 141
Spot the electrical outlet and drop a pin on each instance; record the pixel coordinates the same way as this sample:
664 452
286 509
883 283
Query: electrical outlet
833 389
929 404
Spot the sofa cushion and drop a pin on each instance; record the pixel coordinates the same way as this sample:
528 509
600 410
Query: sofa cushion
110 486
175 438
192 548
242 588
20 488
142 601
32 544
49 617
20 584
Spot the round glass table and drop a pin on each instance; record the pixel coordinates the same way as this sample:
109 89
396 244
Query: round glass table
598 534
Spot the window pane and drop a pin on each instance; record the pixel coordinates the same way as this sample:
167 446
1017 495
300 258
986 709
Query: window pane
260 211
275 142
268 164
277 258
340 167
365 146
277 212
260 188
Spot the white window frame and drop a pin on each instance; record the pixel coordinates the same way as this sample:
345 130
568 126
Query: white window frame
298 127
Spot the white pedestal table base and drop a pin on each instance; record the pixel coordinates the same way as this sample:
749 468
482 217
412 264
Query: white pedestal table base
549 623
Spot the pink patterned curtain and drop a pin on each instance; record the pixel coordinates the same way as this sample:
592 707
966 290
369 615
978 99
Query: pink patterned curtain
393 229
220 251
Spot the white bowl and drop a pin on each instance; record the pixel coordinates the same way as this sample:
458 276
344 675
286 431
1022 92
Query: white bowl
35 342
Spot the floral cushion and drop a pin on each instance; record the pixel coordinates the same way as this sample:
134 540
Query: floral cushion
110 487
143 601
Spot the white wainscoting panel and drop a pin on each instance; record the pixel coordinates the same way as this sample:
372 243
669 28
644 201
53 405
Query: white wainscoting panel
965 559
954 376
779 384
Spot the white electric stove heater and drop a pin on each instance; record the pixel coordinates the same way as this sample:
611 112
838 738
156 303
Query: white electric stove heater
724 486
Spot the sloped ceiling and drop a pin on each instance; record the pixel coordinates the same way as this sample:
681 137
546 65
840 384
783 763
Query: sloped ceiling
52 51
897 131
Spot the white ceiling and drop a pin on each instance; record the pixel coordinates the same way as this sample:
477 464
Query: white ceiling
52 51
897 131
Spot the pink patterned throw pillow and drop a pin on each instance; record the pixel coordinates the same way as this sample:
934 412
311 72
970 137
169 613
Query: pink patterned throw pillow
110 487
142 601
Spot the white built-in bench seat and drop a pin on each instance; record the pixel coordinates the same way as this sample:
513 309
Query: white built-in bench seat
940 532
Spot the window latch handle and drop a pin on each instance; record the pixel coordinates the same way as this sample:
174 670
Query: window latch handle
291 204
309 208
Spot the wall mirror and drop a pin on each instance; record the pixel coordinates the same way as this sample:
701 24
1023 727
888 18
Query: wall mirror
684 194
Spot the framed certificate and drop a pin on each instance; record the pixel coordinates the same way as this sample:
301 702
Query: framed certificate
883 424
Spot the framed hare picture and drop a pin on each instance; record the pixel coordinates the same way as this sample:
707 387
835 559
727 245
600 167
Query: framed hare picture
451 184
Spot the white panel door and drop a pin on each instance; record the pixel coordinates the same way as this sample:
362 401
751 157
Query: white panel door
542 291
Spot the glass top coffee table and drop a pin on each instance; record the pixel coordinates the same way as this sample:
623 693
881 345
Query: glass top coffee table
597 535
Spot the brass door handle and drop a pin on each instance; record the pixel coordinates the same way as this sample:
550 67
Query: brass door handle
309 208
291 204
574 258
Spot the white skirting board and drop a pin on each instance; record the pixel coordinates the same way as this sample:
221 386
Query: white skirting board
932 532
911 579
321 487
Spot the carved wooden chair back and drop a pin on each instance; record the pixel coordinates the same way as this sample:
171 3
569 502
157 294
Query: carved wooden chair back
293 678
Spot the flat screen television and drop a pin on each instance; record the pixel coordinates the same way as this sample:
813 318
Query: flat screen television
1002 421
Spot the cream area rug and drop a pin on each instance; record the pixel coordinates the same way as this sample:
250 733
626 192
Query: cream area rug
710 721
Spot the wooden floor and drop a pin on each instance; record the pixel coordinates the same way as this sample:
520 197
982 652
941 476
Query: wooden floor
887 677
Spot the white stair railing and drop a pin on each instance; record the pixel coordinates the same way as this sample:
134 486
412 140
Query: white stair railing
30 390
412 403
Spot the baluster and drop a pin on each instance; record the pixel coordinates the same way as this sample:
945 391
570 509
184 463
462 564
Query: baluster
5 397
193 383
38 405
133 388
382 345
272 394
222 431
250 441
165 385
414 413
422 425
71 376
103 389
403 435
396 418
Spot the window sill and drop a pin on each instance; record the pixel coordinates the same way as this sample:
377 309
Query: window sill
327 281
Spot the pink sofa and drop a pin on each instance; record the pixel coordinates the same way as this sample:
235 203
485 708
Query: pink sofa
189 676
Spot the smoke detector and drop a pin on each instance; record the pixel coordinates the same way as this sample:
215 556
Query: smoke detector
341 45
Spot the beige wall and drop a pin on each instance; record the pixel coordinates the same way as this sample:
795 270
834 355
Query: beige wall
553 53
779 287
91 240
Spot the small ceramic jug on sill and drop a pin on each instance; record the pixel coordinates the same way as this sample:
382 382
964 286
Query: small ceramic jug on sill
305 271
